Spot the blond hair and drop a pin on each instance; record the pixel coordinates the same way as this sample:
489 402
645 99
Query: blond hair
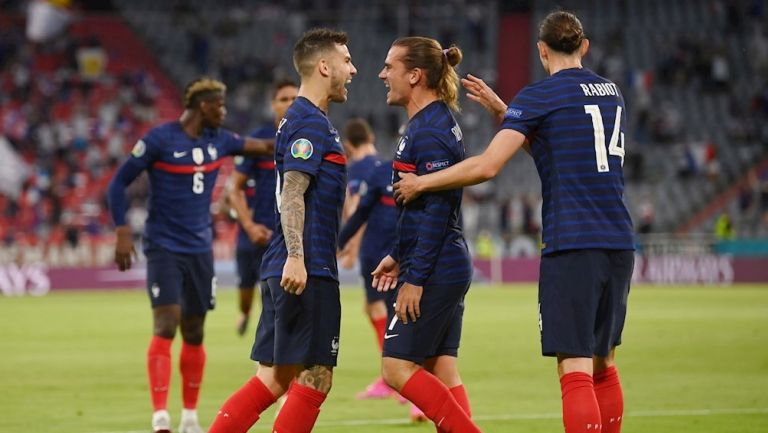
202 89
439 65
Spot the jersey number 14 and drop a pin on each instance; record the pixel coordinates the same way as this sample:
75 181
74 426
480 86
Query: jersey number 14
614 148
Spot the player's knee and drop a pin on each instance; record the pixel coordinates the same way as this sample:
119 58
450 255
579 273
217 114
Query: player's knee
192 331
396 372
317 377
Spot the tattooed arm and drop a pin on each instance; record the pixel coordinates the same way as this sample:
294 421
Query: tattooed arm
292 206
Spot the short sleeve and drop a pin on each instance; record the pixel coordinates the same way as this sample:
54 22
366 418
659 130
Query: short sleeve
145 151
233 143
305 151
525 113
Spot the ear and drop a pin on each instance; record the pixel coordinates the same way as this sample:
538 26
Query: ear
584 47
414 76
543 52
324 68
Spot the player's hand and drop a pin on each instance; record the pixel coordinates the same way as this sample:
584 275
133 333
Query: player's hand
259 146
484 95
346 258
259 234
406 189
124 250
385 275
407 304
294 276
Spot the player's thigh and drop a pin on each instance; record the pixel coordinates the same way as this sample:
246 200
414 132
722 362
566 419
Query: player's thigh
165 276
426 337
371 294
263 349
570 288
612 309
307 326
199 294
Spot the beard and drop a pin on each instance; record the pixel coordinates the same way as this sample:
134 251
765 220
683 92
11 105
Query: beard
338 90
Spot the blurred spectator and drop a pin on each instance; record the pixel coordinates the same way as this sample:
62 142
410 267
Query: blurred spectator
724 227
647 215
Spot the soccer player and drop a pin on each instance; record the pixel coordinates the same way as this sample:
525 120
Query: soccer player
369 180
574 124
297 339
183 160
430 259
251 194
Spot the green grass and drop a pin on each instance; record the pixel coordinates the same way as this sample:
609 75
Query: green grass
694 360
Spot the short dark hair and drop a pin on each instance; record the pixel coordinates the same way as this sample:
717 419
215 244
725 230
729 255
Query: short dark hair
562 31
201 89
357 132
279 84
312 43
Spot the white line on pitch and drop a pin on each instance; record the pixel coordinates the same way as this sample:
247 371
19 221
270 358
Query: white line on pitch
522 416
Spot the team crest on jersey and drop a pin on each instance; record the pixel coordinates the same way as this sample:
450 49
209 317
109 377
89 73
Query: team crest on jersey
401 144
301 148
335 345
213 152
198 156
139 149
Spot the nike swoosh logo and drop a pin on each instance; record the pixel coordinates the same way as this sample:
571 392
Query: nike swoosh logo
179 154
388 336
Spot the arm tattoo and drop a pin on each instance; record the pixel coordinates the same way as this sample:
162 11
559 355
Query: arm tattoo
295 185
318 377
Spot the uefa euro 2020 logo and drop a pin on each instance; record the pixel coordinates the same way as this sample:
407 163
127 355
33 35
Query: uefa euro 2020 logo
301 148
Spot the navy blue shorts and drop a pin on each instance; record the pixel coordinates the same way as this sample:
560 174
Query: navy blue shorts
180 279
371 294
248 265
583 301
437 332
298 330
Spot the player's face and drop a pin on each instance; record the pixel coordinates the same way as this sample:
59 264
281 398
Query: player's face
283 99
396 77
342 71
214 111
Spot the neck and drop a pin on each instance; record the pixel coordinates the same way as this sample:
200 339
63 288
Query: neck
419 100
316 92
191 123
362 151
558 63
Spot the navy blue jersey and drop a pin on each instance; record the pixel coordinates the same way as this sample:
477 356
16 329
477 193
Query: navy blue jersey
377 207
358 171
430 246
574 121
259 187
307 142
182 173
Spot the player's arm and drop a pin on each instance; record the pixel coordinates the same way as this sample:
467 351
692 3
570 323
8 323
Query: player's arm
471 171
118 206
353 227
348 255
258 147
295 184
259 234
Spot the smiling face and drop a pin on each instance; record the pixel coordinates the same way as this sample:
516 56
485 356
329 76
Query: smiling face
397 78
341 72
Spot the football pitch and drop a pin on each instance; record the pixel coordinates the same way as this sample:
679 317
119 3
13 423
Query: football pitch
694 359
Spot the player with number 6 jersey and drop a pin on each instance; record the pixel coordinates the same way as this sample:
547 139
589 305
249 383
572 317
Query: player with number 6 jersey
182 159
573 124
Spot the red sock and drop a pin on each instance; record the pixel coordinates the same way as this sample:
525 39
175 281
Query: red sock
159 370
435 400
610 399
242 409
380 326
191 362
460 394
581 414
300 410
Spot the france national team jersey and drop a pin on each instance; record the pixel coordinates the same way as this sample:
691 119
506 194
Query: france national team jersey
307 142
575 122
358 171
259 188
377 207
430 247
182 173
